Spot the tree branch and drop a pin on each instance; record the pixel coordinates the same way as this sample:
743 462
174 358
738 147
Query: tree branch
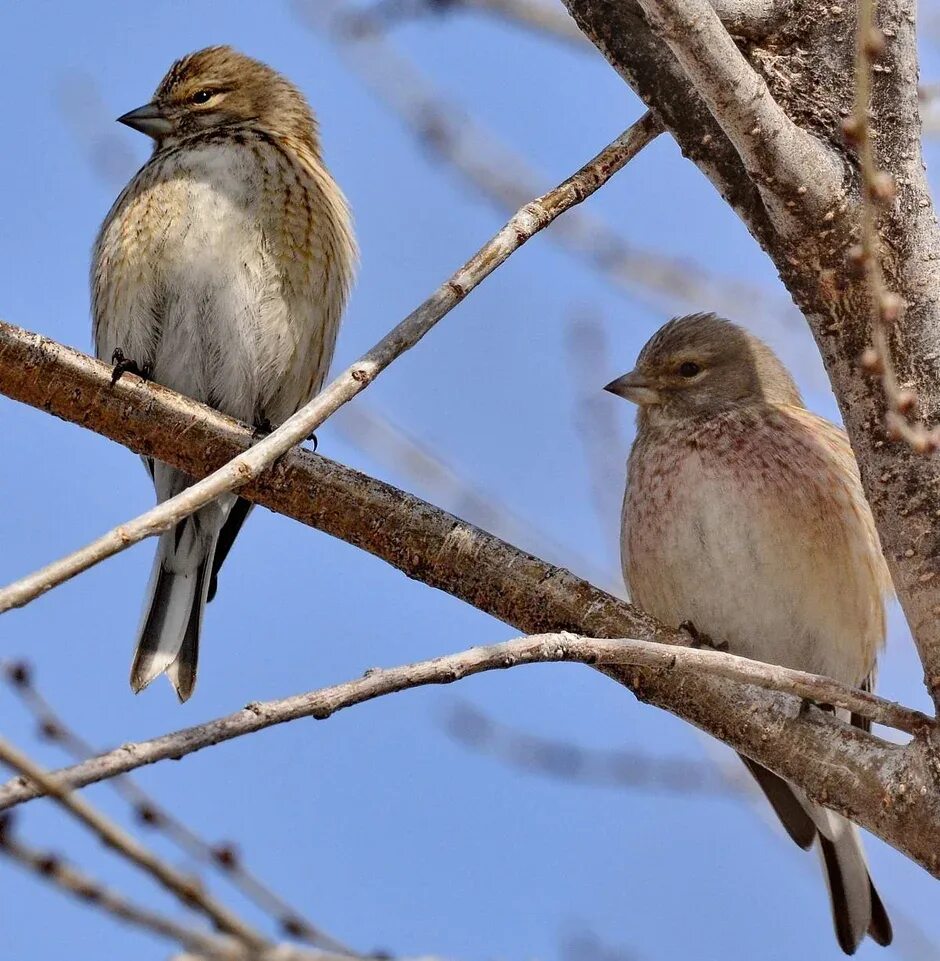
54 870
506 180
529 220
683 666
537 649
186 889
846 769
223 856
775 151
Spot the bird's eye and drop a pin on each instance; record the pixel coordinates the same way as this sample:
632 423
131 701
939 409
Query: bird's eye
202 96
689 369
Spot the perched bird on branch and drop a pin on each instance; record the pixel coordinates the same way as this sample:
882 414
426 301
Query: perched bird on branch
221 272
744 519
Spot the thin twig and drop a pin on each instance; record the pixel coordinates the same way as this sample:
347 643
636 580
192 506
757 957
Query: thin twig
537 649
55 870
529 220
878 189
223 856
188 890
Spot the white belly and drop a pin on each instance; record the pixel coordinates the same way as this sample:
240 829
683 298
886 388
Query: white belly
195 291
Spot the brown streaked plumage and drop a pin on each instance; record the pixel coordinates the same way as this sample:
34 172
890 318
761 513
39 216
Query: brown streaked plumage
744 515
222 269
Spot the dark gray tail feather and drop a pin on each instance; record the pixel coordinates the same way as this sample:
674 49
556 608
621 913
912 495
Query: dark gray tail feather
798 824
169 635
857 909
233 524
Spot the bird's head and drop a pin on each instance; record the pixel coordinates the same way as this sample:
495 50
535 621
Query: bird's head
219 87
701 364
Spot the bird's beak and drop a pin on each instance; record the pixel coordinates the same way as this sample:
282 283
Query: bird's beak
636 387
148 119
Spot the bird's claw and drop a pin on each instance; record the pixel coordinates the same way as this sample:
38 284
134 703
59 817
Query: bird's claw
124 365
700 640
312 438
262 428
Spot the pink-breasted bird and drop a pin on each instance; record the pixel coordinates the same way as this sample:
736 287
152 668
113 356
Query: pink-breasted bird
744 516
221 272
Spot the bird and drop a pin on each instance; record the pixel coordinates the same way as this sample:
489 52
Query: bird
221 271
744 520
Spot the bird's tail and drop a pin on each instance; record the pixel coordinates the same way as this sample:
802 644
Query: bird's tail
168 639
857 909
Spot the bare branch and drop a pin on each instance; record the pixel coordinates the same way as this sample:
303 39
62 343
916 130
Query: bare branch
774 149
529 220
545 648
223 856
54 870
877 190
187 890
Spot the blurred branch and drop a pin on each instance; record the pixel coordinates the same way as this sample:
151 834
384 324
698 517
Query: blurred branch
223 856
54 870
575 764
540 17
596 423
844 768
538 649
505 180
388 444
524 224
187 890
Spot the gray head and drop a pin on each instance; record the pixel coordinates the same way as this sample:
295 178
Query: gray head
219 87
702 364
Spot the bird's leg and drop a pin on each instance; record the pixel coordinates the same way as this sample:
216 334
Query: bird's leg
699 639
263 427
124 365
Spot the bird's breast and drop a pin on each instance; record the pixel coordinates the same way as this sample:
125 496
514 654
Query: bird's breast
756 534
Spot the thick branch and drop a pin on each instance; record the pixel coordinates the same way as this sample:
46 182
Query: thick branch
886 788
776 152
249 464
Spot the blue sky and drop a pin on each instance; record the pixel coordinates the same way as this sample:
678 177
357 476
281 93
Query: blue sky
378 825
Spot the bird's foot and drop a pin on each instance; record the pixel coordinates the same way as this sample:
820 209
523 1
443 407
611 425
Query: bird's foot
124 365
700 640
806 704
262 428
312 438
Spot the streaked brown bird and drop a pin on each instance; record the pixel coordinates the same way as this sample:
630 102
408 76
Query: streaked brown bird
744 517
221 272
